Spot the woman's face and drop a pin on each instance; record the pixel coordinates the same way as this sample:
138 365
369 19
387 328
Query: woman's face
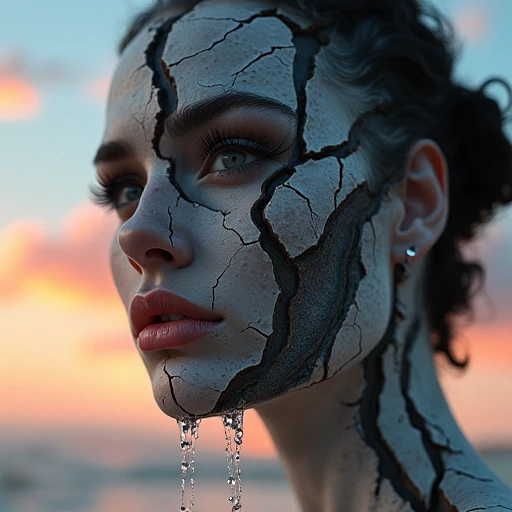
237 204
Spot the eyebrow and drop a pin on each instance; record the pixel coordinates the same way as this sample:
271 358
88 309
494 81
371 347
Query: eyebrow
110 151
193 116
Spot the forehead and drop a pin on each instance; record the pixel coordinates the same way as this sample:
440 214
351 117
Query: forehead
215 48
220 47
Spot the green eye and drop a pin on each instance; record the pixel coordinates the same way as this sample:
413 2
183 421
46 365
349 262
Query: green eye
129 194
233 158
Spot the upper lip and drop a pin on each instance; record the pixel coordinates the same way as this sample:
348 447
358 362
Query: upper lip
146 309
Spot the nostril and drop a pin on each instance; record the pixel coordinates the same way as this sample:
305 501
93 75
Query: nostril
159 253
135 266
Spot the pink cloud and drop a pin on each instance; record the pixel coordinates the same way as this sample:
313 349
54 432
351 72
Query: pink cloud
473 23
19 99
73 262
49 72
58 72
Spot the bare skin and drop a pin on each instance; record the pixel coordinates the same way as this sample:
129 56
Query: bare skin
296 251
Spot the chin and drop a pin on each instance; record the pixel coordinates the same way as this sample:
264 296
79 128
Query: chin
181 397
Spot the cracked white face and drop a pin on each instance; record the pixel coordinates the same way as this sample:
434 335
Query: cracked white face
301 272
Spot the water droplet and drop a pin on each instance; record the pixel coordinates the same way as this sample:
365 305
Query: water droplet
188 436
233 431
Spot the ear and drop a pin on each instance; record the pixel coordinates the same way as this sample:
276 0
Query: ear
424 196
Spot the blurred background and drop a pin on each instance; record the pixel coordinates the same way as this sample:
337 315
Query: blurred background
79 429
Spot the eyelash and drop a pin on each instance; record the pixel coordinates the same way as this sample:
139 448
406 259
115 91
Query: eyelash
103 193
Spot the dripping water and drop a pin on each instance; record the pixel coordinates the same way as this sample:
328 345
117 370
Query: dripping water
189 432
234 432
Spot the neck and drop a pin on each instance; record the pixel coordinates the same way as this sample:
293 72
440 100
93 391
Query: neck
380 435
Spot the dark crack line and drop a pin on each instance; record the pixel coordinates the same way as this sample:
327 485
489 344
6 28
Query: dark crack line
389 466
223 272
167 100
444 504
374 241
447 446
171 232
142 125
167 97
286 276
304 64
272 13
489 508
255 329
311 212
340 183
190 382
241 23
359 350
211 47
258 58
433 450
242 241
171 377
286 271
417 420
378 485
468 475
351 145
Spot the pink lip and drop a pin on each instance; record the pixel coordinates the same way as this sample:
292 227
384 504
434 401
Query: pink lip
153 334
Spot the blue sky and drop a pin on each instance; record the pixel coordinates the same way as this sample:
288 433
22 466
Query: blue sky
63 46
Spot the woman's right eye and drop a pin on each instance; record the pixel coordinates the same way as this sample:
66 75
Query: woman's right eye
127 195
116 194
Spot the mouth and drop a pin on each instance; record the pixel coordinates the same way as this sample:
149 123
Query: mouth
163 320
171 318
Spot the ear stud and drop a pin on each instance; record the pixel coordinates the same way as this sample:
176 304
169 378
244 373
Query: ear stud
403 269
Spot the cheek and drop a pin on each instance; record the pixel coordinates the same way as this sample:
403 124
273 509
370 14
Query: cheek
126 278
331 236
369 315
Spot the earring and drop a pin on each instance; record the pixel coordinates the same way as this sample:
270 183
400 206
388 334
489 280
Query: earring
403 269
402 273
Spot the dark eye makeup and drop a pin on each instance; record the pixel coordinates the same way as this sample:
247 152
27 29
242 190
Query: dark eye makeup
116 192
123 187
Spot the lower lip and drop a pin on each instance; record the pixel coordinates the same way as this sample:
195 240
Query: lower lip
174 334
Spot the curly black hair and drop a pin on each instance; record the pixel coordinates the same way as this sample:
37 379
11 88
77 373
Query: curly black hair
401 53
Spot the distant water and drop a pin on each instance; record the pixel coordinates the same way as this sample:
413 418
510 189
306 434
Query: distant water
125 474
149 496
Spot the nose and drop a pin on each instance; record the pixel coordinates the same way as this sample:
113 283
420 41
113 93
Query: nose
152 239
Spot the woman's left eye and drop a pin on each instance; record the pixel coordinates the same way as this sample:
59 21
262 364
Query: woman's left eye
232 159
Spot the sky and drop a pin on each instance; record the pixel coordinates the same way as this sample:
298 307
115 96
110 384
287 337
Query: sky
66 354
